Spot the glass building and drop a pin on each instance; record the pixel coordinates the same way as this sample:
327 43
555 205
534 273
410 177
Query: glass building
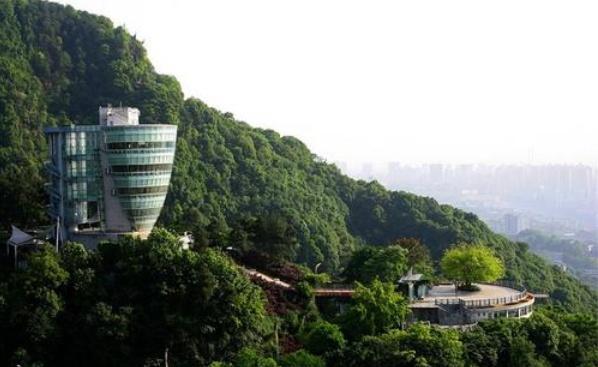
109 179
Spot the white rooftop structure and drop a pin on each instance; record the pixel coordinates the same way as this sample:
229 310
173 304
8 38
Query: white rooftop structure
115 116
410 277
19 237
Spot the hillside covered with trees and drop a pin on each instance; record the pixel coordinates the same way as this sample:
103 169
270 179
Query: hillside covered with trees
57 65
152 303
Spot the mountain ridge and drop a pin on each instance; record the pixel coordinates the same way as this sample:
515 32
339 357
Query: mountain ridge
60 64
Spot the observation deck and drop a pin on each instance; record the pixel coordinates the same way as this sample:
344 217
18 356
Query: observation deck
446 305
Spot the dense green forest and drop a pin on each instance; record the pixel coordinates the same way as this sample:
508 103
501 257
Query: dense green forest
127 305
148 302
137 303
57 65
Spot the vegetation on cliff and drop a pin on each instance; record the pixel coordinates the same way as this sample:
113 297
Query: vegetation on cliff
232 185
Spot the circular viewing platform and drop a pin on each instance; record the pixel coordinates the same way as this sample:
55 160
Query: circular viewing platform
445 304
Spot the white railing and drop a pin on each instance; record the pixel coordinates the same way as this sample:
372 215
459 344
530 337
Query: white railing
489 301
485 302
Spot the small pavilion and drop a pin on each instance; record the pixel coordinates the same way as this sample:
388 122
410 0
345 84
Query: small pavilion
411 280
20 239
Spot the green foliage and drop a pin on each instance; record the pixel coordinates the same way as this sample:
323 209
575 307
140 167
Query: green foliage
417 346
58 65
438 347
225 170
220 364
385 263
32 303
574 253
252 358
301 358
547 338
321 337
305 290
317 280
480 348
356 265
471 263
376 309
418 256
128 303
273 235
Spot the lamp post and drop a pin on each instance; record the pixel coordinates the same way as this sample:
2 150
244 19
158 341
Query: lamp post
57 231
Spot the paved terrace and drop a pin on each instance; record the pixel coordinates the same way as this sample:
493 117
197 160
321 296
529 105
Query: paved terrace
488 295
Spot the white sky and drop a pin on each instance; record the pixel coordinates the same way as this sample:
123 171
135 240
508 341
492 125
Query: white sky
409 81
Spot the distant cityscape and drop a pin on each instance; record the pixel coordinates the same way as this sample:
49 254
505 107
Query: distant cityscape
556 200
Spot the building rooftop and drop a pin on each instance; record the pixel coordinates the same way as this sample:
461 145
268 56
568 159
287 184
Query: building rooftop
410 277
119 116
445 305
488 295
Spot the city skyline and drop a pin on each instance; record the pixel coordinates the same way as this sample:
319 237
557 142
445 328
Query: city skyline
554 197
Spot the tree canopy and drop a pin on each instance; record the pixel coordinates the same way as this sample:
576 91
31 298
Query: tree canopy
471 263
385 263
322 337
128 303
376 309
419 345
418 255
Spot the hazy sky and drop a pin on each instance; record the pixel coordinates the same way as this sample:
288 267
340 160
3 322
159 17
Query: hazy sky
409 81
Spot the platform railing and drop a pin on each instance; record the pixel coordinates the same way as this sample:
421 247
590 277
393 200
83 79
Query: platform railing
488 301
493 301
484 302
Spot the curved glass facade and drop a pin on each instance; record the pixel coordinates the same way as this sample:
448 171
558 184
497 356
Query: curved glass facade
109 179
140 159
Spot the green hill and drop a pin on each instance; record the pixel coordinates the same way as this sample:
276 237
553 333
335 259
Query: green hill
57 65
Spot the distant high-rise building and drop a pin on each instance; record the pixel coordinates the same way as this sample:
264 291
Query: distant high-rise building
109 179
514 224
436 173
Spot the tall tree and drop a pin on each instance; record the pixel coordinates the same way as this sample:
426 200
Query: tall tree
418 255
376 309
471 263
387 264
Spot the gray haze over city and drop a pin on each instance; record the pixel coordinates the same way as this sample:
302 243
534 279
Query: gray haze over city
554 208
556 198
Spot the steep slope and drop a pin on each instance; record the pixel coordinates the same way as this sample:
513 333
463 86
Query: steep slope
57 65
226 171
